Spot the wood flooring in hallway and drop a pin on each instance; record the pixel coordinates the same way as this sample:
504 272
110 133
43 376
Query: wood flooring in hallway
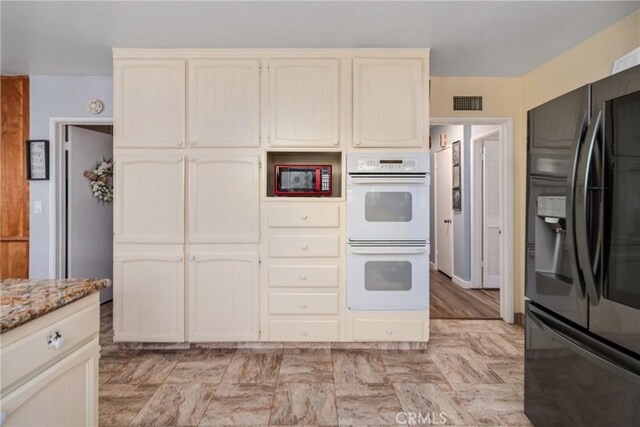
451 301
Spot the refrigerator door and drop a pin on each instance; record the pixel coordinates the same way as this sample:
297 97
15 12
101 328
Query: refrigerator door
572 379
615 307
556 131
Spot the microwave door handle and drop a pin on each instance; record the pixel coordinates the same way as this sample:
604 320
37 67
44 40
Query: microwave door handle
582 210
571 224
387 251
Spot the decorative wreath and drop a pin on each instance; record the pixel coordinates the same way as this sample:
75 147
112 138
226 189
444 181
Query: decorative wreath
101 180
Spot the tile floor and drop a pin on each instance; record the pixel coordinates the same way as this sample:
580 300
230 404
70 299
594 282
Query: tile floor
471 373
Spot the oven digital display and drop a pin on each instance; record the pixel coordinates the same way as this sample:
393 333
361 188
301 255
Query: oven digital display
390 162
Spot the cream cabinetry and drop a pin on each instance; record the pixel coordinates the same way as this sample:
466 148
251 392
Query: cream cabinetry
45 385
304 102
224 198
149 103
149 196
223 295
389 102
149 296
224 103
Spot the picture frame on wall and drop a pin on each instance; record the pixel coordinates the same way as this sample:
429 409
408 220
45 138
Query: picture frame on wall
455 153
456 199
38 160
456 176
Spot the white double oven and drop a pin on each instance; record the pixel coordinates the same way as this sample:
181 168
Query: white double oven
388 231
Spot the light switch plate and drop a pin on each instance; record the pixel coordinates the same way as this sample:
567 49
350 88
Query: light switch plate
37 207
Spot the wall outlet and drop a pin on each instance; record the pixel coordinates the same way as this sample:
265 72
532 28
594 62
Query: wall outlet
37 207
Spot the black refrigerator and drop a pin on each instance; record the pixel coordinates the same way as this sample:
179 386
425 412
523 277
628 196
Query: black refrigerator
582 334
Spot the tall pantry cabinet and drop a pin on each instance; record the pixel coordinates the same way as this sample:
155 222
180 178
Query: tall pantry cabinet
186 205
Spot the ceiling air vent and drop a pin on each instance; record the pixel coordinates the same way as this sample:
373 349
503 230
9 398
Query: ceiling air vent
467 103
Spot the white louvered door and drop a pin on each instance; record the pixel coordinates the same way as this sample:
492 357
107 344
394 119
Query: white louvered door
492 202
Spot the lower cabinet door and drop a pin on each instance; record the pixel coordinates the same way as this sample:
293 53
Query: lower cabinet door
223 296
148 296
66 394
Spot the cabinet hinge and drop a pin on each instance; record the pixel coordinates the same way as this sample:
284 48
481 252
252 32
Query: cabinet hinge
259 163
67 145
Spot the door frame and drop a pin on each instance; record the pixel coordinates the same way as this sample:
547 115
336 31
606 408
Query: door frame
435 215
56 191
505 124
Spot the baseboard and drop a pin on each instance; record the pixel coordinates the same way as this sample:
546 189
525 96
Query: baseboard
432 266
463 283
518 318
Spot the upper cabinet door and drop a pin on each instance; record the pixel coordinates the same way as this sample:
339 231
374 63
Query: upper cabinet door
149 103
224 198
304 100
149 198
389 101
224 103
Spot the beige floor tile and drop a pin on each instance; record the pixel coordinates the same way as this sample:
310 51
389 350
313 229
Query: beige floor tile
447 326
304 404
450 342
201 366
119 403
362 405
493 404
148 367
492 344
464 368
234 404
254 367
411 366
436 402
510 369
175 405
306 366
353 367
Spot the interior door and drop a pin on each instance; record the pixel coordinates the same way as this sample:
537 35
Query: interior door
444 212
89 237
491 202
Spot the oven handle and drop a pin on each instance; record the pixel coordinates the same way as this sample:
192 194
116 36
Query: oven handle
387 250
388 180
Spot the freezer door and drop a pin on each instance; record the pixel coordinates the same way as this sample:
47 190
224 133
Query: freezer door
556 131
571 379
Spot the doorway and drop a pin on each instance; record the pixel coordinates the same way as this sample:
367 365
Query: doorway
481 228
82 177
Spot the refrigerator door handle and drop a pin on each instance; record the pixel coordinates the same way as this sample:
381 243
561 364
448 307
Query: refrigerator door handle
592 350
571 224
581 210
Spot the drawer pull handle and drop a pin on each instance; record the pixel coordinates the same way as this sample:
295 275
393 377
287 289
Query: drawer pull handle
303 333
303 217
303 277
303 305
304 247
55 340
388 332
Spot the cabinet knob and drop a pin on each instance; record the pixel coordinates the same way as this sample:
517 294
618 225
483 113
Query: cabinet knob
303 217
303 305
303 277
336 142
180 144
192 143
303 333
55 340
179 160
178 258
192 159
388 332
192 258
358 143
304 247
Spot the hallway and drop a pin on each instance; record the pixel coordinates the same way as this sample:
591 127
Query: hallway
450 301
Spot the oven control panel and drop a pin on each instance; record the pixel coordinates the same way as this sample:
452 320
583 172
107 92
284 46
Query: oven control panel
388 163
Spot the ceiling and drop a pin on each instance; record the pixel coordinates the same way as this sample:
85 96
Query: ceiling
473 38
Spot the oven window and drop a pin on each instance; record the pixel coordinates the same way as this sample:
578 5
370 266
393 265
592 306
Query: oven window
388 206
387 276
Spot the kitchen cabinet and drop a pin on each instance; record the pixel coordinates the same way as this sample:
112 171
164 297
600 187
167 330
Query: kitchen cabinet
224 198
149 296
149 197
224 103
223 295
304 103
149 103
389 102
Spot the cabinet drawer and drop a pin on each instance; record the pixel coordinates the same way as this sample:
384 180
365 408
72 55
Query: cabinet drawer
303 303
304 246
33 352
304 330
307 276
304 216
388 330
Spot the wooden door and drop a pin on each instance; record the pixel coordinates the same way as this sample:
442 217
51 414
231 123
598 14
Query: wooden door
149 197
444 212
14 187
224 103
224 197
149 103
389 100
304 102
149 295
491 212
223 296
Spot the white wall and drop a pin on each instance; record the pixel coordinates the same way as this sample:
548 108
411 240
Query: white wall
56 96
